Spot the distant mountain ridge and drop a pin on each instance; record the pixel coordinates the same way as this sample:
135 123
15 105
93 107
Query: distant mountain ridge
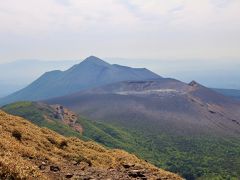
90 73
233 93
18 74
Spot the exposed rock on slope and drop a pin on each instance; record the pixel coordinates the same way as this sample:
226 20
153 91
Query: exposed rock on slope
67 117
54 117
30 152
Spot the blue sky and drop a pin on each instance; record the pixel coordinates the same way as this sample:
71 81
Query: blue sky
152 29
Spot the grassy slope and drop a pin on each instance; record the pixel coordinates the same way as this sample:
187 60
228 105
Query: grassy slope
23 146
193 158
32 112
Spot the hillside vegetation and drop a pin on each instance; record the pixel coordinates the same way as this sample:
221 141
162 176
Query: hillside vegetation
42 115
192 157
30 152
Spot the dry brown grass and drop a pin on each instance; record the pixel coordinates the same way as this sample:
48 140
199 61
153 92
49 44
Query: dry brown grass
20 157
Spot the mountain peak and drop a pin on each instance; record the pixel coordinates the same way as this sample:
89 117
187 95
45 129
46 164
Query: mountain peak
90 73
193 83
95 60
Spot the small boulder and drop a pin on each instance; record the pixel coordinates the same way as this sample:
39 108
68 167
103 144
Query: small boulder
128 165
54 168
69 175
42 167
136 174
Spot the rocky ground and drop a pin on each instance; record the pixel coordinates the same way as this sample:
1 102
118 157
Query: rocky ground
84 171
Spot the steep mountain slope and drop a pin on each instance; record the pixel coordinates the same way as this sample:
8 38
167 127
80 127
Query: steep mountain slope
164 105
54 117
192 157
29 152
174 118
44 115
92 72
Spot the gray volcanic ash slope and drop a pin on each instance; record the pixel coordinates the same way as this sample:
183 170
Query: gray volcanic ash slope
164 105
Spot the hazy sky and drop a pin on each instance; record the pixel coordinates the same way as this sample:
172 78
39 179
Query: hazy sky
74 29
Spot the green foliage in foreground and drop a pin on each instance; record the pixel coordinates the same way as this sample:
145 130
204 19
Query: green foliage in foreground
200 158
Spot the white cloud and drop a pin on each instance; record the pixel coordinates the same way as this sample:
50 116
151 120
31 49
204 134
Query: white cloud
130 28
52 15
47 15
